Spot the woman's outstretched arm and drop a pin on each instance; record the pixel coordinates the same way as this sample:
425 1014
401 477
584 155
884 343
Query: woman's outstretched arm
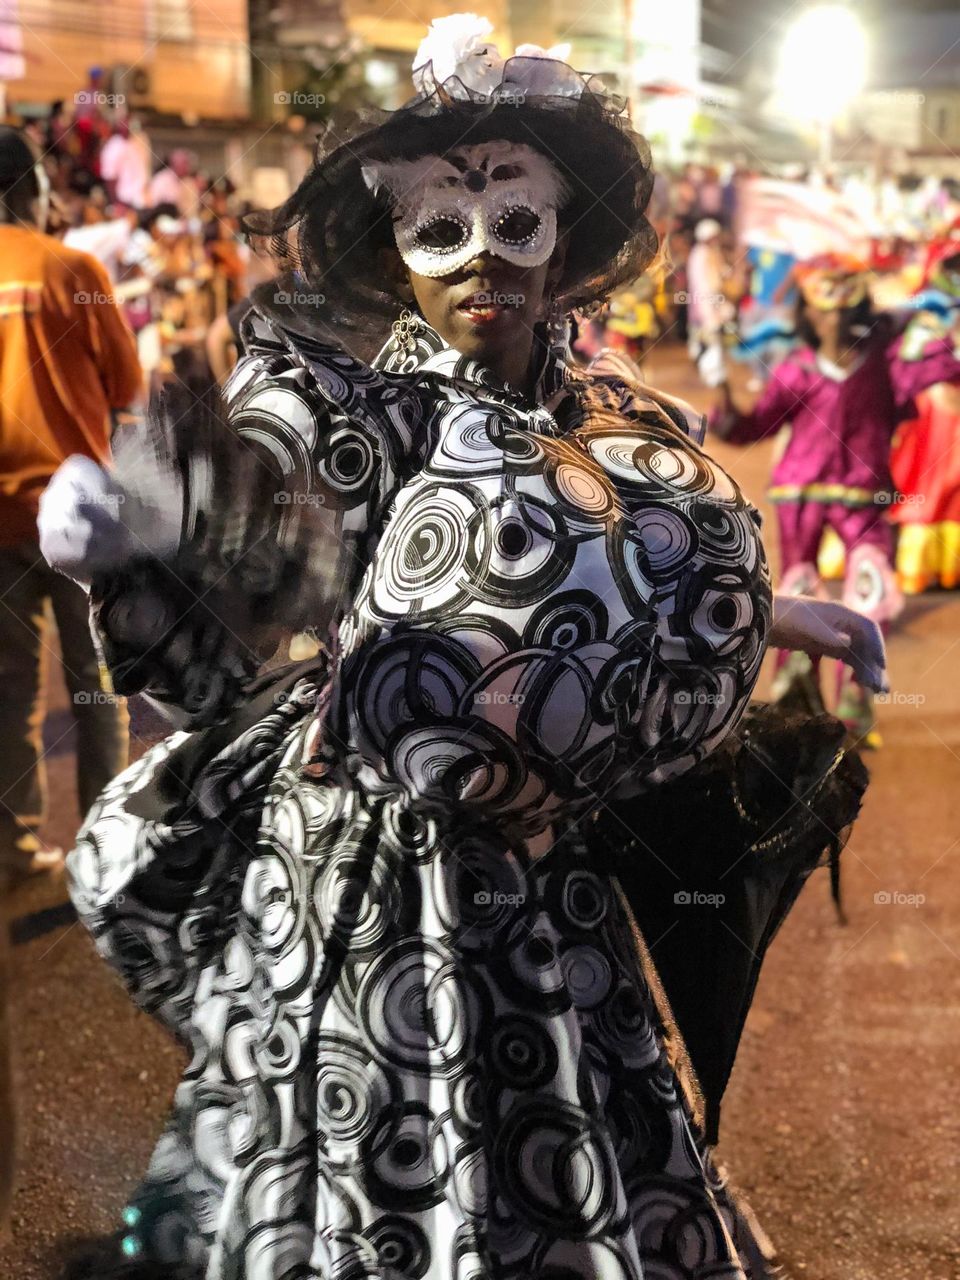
827 629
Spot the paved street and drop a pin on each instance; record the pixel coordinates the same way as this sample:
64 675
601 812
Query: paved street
837 1122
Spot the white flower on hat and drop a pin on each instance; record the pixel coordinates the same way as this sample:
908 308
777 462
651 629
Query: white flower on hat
560 52
458 45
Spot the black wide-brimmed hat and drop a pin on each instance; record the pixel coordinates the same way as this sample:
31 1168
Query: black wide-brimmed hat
333 226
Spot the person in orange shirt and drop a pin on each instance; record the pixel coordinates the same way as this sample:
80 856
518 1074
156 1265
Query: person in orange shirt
67 359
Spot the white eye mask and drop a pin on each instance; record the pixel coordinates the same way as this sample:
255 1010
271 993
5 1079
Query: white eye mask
496 197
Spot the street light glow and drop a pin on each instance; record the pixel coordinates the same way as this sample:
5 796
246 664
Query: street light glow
823 62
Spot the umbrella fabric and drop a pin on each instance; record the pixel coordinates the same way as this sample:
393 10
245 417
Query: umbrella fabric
712 863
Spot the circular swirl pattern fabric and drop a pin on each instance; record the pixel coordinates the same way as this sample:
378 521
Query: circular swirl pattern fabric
422 1043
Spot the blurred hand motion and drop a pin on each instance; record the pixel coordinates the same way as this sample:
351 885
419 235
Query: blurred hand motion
197 550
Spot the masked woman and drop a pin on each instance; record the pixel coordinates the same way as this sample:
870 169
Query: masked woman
422 1041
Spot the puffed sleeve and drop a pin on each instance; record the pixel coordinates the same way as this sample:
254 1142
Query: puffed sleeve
342 462
286 494
927 354
695 557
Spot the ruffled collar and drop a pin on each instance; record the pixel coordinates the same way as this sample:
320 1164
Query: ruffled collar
431 357
557 380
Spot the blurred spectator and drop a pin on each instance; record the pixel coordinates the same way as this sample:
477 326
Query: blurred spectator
227 256
223 343
171 346
708 308
66 360
176 183
711 196
146 249
58 127
108 240
125 165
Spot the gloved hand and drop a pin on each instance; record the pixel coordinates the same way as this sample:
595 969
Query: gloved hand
88 523
80 522
825 628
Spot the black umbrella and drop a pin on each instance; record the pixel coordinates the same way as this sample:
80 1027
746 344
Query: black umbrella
712 863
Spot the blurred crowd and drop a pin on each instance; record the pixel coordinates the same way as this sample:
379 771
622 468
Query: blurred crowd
729 257
169 235
167 232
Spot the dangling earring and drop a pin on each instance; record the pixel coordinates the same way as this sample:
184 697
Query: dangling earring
556 322
406 328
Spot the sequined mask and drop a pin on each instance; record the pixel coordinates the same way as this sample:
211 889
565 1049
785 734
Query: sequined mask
494 197
834 291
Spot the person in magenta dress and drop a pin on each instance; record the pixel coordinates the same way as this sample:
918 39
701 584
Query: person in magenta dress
841 394
926 450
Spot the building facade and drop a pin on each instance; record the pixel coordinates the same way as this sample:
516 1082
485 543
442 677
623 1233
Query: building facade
189 57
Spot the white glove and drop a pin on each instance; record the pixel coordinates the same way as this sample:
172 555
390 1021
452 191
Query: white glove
91 523
81 523
825 628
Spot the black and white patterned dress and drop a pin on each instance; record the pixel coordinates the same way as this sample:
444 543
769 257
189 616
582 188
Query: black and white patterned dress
422 1045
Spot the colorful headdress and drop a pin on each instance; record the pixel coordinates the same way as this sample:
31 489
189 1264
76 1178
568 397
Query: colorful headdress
942 267
833 281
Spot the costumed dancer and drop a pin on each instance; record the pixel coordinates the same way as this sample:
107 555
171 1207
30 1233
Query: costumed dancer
633 320
766 316
926 452
363 890
841 394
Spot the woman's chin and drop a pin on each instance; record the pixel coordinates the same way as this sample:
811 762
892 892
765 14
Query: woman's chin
490 332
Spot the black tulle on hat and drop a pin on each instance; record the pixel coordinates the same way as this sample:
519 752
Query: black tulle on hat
332 227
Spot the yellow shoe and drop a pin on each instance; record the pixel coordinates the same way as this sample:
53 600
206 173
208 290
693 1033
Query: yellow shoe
913 584
855 709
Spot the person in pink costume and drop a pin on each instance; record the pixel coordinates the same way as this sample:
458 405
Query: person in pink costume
842 394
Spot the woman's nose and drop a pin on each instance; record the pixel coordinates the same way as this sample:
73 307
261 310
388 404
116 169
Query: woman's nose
480 262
